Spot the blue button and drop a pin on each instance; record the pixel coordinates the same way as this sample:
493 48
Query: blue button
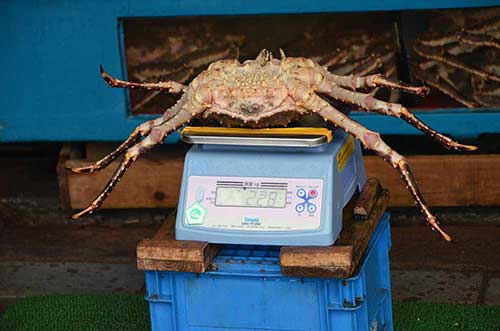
300 207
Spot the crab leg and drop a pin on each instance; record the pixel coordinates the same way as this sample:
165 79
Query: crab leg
170 86
138 132
487 26
479 40
371 140
454 61
155 137
182 77
369 103
373 63
345 68
191 62
157 71
438 82
490 25
377 80
105 161
487 98
332 59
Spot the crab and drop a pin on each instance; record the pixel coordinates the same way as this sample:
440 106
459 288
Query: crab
265 92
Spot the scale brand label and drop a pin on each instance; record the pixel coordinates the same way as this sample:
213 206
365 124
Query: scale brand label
254 203
345 153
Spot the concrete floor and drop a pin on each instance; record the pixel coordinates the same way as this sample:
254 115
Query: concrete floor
101 258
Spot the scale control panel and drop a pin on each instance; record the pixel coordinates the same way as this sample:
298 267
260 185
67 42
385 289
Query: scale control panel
253 204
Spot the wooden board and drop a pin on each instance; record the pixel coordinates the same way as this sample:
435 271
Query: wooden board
163 252
151 182
67 152
341 259
445 180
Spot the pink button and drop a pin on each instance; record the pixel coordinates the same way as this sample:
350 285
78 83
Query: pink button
313 193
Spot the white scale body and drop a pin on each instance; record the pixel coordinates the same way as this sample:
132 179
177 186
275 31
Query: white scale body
268 195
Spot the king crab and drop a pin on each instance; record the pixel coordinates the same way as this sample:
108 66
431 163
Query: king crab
268 92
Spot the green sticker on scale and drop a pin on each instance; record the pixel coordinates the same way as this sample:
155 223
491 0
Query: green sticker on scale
195 215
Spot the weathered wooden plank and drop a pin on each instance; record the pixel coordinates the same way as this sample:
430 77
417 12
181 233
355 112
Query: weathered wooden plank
316 261
445 180
165 265
163 252
366 199
341 259
67 152
175 255
153 182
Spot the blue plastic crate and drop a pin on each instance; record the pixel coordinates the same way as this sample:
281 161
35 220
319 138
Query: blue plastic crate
247 291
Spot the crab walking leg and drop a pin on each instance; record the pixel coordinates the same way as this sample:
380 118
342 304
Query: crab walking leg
182 77
119 172
434 79
332 59
105 161
377 80
440 55
155 137
371 65
479 40
372 140
480 28
170 86
141 131
193 61
368 102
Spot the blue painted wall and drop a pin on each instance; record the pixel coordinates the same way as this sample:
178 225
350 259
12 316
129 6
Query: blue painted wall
50 51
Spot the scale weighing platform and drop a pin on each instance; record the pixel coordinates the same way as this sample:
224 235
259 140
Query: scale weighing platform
283 186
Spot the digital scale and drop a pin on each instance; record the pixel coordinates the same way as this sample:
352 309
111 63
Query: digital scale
284 186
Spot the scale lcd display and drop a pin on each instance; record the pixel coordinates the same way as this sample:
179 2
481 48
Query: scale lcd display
250 197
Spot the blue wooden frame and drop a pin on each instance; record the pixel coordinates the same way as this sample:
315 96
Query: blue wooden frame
51 89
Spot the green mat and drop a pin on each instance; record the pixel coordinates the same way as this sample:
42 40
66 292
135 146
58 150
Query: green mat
108 312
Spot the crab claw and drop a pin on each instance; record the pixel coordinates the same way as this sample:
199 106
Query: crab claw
461 147
435 226
107 78
422 91
87 211
380 80
81 170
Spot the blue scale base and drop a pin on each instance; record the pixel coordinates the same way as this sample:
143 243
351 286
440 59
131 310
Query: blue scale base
341 169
